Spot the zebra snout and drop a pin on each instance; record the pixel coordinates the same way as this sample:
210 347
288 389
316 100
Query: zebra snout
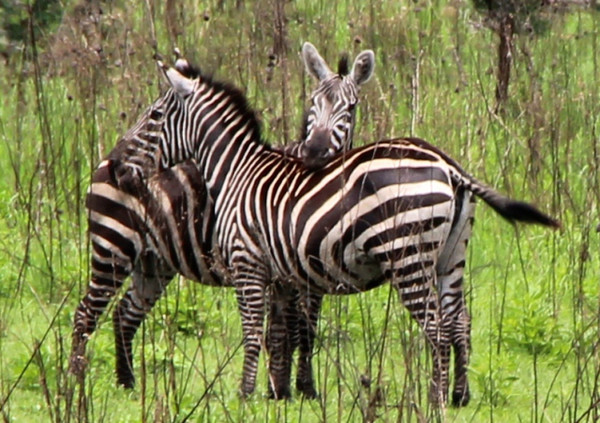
315 152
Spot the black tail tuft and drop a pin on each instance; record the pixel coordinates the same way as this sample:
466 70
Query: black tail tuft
519 211
512 210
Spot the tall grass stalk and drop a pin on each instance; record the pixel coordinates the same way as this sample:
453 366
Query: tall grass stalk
70 93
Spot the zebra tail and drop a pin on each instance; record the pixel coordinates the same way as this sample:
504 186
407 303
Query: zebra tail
512 210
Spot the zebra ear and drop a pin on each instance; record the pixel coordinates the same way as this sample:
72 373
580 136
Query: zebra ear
178 82
181 64
363 67
181 85
315 64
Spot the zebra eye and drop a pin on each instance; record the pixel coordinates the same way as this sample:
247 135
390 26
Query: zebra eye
351 107
155 114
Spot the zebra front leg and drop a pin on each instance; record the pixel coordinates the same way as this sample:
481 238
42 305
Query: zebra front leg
309 310
281 337
147 286
109 269
250 289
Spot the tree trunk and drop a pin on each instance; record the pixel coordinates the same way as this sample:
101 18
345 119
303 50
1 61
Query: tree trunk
505 32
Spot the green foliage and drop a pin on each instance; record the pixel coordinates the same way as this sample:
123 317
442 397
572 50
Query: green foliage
533 295
528 15
533 327
17 17
495 385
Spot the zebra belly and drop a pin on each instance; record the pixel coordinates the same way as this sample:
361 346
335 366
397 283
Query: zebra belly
364 264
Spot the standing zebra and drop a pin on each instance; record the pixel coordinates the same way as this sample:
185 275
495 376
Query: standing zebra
150 216
397 210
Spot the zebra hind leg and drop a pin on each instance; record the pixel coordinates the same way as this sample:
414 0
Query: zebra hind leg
300 332
109 270
148 283
456 325
421 300
461 341
450 272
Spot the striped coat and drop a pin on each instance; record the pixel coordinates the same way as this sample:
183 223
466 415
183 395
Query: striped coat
383 212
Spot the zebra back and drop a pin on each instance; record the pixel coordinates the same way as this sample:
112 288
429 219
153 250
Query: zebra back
510 209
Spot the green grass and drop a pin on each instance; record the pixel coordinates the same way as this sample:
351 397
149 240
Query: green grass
533 294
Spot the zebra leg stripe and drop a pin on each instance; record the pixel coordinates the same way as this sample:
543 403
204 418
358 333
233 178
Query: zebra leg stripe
250 290
461 341
450 271
421 300
145 290
310 307
300 331
108 272
280 346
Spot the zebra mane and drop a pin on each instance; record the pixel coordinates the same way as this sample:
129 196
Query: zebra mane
235 96
304 129
239 100
344 65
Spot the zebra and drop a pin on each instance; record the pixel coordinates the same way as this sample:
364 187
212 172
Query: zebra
329 123
396 210
150 217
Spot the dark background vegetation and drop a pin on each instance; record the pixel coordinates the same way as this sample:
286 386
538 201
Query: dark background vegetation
510 89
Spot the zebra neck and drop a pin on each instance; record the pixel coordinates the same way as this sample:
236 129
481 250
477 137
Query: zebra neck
223 132
140 149
231 156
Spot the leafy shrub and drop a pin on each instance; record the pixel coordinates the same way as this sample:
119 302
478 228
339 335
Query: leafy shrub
17 16
535 329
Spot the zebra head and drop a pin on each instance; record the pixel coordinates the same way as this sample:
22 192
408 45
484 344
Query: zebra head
330 118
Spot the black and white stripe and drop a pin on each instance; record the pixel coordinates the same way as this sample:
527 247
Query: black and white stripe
391 211
150 218
162 229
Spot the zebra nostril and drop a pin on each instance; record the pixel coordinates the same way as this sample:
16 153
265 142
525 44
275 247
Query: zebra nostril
318 142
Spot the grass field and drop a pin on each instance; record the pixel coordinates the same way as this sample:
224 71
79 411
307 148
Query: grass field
533 294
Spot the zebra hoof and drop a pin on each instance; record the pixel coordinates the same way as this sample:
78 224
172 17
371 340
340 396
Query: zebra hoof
280 393
307 390
77 364
245 392
460 399
437 397
126 382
